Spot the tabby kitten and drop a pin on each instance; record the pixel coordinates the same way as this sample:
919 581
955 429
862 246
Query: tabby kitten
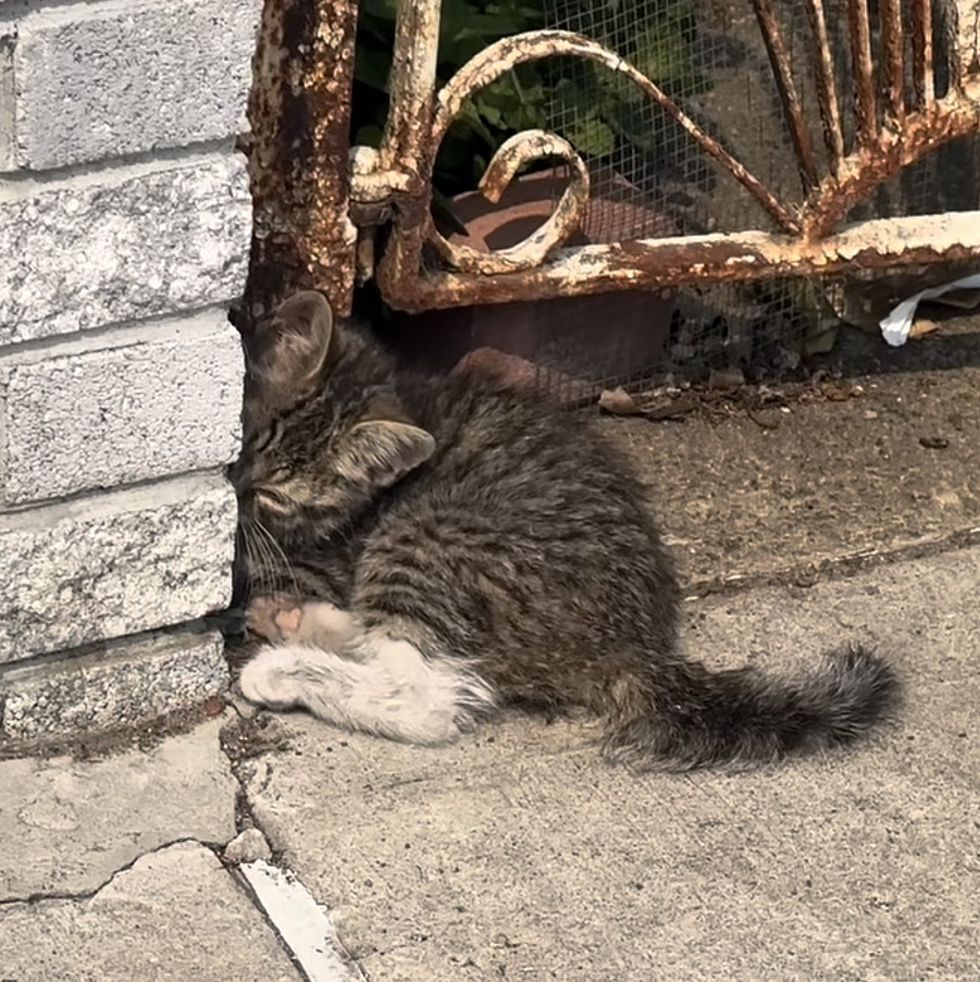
453 544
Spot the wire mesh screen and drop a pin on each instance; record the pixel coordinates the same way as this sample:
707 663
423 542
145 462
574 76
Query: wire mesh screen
651 179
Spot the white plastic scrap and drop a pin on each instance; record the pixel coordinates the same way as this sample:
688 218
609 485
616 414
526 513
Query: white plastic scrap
895 328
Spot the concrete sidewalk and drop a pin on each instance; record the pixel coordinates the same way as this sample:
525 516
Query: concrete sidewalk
518 854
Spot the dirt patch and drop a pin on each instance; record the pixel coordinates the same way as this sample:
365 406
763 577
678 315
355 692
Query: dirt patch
245 737
881 456
96 746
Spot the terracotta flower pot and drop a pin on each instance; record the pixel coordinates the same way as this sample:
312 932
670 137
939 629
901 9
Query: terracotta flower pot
575 343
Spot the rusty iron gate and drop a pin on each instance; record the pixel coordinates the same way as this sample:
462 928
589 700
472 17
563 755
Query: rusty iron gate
889 118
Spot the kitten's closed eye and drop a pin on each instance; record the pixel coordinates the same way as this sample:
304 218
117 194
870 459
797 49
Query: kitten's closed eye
274 499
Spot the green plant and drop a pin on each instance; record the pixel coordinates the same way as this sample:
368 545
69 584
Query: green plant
591 107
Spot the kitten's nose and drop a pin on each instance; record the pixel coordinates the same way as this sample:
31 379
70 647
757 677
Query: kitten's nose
236 474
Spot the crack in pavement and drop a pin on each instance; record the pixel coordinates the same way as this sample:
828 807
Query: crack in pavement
830 568
247 738
82 895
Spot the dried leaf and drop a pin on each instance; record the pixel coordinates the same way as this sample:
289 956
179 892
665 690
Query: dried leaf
922 327
838 391
671 410
619 402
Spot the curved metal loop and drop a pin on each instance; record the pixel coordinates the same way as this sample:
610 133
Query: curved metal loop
495 61
561 224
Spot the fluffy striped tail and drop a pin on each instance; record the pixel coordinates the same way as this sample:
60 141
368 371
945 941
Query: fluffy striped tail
683 716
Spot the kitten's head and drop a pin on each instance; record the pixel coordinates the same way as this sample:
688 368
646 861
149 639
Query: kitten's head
324 431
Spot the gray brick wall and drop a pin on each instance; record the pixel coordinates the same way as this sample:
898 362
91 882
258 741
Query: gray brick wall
123 244
125 223
126 78
140 403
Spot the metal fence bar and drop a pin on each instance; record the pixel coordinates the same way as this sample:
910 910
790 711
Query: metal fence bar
421 269
299 111
893 42
792 109
866 103
407 143
740 257
922 68
826 86
956 116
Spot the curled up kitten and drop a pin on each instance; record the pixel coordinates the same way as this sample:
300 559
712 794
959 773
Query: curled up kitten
451 544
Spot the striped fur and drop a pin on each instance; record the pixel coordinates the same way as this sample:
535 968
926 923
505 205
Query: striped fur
505 544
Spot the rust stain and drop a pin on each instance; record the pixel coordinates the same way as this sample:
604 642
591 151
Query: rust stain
566 219
893 42
922 64
921 133
501 57
299 113
408 140
865 101
649 264
420 269
416 135
779 59
823 68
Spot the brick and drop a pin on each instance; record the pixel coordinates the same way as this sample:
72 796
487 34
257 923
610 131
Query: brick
108 79
123 407
122 245
130 682
7 98
107 565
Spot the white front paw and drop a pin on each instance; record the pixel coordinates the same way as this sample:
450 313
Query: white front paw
269 679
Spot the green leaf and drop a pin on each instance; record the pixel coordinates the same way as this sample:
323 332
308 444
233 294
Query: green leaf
371 68
636 122
661 53
470 117
486 110
591 136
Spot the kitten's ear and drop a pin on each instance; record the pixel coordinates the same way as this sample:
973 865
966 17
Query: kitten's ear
288 350
381 452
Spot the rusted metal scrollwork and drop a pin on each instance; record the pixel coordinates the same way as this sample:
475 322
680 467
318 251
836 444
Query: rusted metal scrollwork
893 128
498 59
565 220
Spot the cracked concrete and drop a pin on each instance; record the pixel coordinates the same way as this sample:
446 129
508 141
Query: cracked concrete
128 868
517 853
175 914
66 826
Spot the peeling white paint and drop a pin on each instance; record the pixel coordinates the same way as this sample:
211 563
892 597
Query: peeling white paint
302 923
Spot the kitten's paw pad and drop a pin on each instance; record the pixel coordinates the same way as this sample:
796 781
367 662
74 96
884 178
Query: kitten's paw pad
275 617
